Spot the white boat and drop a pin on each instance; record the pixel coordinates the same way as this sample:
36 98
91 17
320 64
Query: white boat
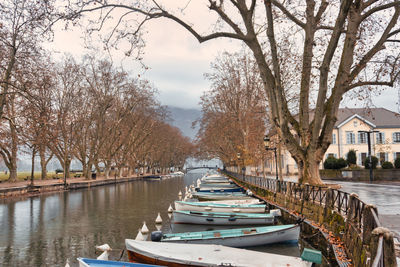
218 185
170 254
222 218
219 195
219 207
236 201
239 237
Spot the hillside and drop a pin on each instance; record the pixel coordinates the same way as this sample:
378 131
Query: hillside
183 119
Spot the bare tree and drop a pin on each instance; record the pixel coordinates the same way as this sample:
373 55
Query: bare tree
23 24
336 46
234 110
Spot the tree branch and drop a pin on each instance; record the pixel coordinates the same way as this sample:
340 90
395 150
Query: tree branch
288 14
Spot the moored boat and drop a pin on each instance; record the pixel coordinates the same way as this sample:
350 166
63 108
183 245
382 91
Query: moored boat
86 262
219 185
219 190
219 207
219 195
223 218
180 255
239 237
236 201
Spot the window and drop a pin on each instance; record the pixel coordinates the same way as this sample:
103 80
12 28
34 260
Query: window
363 157
355 123
350 138
396 155
382 157
380 138
396 137
333 139
362 138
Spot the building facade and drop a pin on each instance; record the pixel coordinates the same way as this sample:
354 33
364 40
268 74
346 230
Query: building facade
347 135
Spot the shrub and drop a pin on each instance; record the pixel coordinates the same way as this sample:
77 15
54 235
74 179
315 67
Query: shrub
351 157
374 162
397 163
330 163
387 165
340 163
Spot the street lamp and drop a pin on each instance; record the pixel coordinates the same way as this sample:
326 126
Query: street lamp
267 147
239 165
371 175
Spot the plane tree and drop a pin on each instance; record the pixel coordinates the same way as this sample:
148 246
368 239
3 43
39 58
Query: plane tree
327 48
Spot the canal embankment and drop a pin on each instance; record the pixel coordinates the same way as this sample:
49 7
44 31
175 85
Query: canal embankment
343 223
24 188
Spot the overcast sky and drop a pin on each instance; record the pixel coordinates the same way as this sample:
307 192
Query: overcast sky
177 62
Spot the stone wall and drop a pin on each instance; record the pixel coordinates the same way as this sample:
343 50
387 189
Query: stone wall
361 175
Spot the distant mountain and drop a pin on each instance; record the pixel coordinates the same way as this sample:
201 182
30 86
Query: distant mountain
183 118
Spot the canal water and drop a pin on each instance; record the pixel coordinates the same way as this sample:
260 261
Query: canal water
49 229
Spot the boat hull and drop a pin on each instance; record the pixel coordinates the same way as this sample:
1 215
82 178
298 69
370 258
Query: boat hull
176 255
246 240
219 190
218 185
218 219
86 262
191 206
218 196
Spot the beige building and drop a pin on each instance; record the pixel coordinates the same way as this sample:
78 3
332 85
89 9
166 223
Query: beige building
346 135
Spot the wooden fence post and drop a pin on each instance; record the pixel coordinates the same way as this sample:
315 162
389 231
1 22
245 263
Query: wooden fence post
389 256
352 212
329 203
369 223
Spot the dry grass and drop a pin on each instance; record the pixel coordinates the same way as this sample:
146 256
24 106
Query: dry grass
21 176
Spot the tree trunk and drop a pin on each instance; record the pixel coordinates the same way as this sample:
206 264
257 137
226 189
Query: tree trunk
43 162
13 174
107 168
309 170
33 166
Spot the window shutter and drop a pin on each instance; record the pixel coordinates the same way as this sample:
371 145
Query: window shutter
383 138
359 138
386 156
359 159
393 138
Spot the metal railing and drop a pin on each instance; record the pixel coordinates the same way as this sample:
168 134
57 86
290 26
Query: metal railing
319 195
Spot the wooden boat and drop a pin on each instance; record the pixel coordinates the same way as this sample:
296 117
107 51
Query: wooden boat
219 196
219 190
239 237
219 207
85 262
222 218
179 255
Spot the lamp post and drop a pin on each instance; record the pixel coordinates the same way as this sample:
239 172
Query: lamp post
371 175
239 165
267 147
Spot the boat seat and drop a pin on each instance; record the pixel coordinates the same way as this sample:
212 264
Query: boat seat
217 234
252 231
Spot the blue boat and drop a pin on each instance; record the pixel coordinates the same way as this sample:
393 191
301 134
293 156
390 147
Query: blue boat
240 237
85 262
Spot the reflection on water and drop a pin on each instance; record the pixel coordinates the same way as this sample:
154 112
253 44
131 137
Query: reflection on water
48 229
